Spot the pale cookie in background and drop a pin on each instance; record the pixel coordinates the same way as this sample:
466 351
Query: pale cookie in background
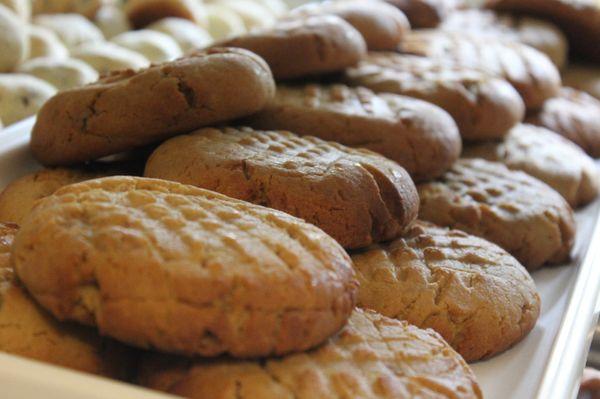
111 20
356 196
530 72
45 43
184 270
382 25
72 29
29 331
584 77
574 115
254 14
304 47
509 208
277 7
63 74
142 13
87 8
22 96
223 22
1 124
483 106
478 297
106 57
425 13
537 33
128 109
188 35
372 357
547 156
421 137
22 8
13 40
157 47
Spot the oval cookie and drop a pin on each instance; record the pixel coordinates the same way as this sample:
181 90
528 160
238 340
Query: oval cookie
163 265
356 196
157 47
106 57
425 13
22 96
111 20
519 213
131 109
45 43
421 137
142 13
63 74
223 22
13 40
72 29
372 357
484 107
188 35
477 296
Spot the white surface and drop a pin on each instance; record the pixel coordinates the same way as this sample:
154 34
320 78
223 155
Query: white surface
514 374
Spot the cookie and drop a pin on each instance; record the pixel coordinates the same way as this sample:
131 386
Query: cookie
22 96
425 13
156 46
45 43
479 298
356 196
382 25
27 330
311 46
484 107
519 213
372 357
579 19
574 115
87 8
111 20
72 29
537 33
13 40
188 35
584 77
547 156
253 13
223 22
277 7
184 270
142 13
106 57
22 8
127 110
528 70
62 73
421 137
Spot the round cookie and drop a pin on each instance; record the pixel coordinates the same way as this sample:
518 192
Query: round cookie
63 73
479 298
73 30
13 40
188 35
87 8
372 357
311 46
45 43
111 20
574 115
547 156
223 22
22 8
583 77
107 57
484 107
356 196
27 330
184 270
142 13
127 110
421 137
155 46
519 213
22 96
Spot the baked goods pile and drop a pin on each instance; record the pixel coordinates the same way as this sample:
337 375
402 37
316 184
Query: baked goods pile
333 205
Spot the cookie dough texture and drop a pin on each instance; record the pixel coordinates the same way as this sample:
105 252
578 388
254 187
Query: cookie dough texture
528 70
188 35
142 13
477 296
22 96
13 40
356 196
519 213
584 77
484 107
162 265
157 47
63 74
130 109
421 137
87 8
574 115
27 330
372 357
72 29
106 57
45 43
547 156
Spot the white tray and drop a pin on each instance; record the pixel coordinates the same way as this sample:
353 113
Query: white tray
547 364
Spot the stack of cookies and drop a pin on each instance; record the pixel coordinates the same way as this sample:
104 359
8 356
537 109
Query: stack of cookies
334 206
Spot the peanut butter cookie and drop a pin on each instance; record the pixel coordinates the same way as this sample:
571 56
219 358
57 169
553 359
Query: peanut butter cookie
144 12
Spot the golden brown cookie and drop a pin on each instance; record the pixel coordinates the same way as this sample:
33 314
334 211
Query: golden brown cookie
547 156
421 137
130 109
574 115
304 47
477 296
27 330
382 25
356 196
144 12
425 13
163 265
584 77
528 70
509 208
484 107
372 357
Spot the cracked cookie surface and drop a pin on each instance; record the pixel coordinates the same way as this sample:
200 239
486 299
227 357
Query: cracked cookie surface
372 357
477 296
163 265
519 213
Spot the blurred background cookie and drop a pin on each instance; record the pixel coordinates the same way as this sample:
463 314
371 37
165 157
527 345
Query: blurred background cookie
62 73
223 22
142 13
106 57
86 8
13 40
157 47
188 35
111 20
73 30
22 8
426 13
22 96
45 43
584 77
